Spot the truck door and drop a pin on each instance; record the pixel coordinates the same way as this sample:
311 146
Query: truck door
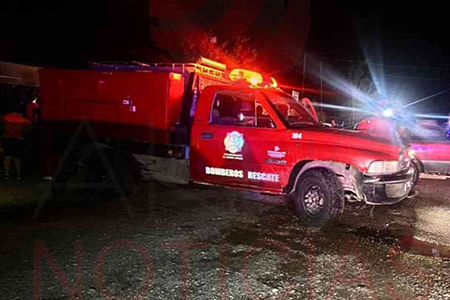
237 143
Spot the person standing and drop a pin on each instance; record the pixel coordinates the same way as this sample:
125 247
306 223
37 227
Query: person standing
15 128
32 109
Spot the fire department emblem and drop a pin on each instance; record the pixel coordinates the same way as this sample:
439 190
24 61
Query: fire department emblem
234 141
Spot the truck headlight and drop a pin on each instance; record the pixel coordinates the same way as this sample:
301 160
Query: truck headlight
406 155
383 167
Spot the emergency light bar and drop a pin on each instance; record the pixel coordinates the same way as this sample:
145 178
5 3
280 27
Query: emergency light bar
252 77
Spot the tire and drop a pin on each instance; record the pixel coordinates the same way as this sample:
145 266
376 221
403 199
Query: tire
319 197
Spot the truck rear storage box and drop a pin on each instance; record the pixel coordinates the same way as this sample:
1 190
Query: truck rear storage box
139 106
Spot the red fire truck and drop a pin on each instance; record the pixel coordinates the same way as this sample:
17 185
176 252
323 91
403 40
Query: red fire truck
205 124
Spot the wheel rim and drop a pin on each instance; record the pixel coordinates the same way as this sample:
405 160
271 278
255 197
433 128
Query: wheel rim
313 199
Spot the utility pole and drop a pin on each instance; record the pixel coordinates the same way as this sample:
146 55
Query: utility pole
304 74
353 106
321 81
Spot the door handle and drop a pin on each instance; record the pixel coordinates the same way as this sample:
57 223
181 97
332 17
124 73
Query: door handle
207 135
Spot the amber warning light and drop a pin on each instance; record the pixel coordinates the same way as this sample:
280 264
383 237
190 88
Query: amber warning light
175 76
254 78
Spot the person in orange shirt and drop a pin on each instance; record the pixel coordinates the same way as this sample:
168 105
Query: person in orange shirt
15 128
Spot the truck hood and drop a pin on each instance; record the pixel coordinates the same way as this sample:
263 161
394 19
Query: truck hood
348 138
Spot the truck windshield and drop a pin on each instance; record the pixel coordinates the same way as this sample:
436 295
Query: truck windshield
290 110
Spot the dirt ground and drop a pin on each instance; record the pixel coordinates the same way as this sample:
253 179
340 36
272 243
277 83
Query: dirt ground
181 242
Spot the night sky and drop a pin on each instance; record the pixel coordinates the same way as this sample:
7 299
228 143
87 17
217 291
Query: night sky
406 41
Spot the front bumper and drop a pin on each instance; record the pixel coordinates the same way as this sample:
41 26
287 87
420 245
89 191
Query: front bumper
388 189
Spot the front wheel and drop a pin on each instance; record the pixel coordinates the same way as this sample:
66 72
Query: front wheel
318 197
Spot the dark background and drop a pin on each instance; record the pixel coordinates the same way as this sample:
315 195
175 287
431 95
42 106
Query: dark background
405 41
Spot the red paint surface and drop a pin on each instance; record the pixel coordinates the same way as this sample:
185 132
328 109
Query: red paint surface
424 150
354 148
151 102
138 100
438 151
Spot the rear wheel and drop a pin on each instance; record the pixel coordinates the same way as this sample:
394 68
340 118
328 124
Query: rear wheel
318 197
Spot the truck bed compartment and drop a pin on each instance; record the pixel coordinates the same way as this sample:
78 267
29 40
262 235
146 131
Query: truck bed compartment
140 106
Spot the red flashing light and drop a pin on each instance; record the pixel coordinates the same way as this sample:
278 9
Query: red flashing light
253 78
